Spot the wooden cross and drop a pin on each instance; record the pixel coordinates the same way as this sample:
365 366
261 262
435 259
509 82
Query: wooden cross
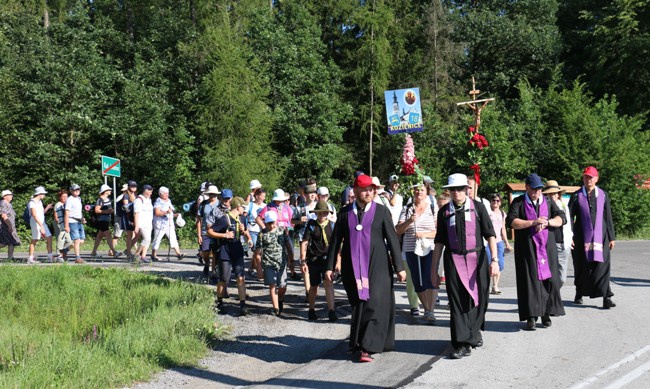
474 104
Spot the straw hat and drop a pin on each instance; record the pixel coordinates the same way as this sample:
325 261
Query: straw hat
552 187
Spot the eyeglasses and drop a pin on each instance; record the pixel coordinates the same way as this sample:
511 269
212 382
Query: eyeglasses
496 201
457 189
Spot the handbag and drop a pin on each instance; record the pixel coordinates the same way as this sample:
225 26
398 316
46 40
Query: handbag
180 222
422 247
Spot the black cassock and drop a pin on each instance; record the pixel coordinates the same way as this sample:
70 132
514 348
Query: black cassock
373 321
535 298
591 278
467 319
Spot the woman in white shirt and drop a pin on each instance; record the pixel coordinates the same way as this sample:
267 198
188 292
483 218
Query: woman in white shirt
37 224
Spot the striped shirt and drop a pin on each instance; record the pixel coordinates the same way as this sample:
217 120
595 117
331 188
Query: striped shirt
425 223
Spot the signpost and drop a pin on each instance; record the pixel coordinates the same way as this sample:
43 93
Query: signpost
112 167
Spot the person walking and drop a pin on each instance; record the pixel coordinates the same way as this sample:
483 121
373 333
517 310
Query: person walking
8 233
143 221
163 224
370 255
462 225
563 235
118 231
498 218
63 240
254 230
273 244
37 224
418 226
74 221
593 240
128 217
103 211
536 267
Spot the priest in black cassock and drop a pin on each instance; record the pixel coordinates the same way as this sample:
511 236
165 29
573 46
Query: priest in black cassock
593 239
536 263
365 229
463 223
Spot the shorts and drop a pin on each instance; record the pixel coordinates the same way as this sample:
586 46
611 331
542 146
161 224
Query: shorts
77 231
102 226
207 241
500 255
254 236
145 234
275 277
117 230
36 230
420 268
316 272
226 267
63 240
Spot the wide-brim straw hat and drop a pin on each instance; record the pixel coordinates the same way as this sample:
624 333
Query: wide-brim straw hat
552 187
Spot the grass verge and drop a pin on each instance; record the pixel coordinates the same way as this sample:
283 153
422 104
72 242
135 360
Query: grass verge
65 326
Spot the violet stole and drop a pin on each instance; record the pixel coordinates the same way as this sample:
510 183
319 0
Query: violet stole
466 264
592 234
360 248
540 238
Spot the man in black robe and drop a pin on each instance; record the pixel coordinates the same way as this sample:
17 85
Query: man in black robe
593 240
365 229
463 223
536 263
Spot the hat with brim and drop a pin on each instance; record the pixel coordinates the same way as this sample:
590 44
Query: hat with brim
552 187
125 187
237 202
39 191
212 190
104 188
255 184
321 206
279 195
6 192
311 188
377 183
456 180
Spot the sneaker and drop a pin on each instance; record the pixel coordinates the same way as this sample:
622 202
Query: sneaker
117 255
155 259
145 260
60 260
312 315
252 273
244 312
415 311
180 256
331 315
32 261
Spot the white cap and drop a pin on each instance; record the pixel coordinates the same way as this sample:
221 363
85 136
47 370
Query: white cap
39 191
279 195
6 192
104 188
163 189
323 191
456 180
255 184
212 189
270 217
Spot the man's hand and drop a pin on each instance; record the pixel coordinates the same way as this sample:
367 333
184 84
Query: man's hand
401 276
612 244
229 235
329 275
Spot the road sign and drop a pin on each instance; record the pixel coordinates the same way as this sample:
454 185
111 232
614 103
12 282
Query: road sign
111 166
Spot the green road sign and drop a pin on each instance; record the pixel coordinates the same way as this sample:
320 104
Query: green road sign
111 166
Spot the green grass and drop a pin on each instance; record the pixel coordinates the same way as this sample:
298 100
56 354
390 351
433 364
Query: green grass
78 326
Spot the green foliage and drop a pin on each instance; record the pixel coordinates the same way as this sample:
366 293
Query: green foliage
90 327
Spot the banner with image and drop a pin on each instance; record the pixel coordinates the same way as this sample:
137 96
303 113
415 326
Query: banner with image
403 111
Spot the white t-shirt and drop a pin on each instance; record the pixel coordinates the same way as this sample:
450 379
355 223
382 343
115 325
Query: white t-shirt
253 210
144 208
74 207
39 212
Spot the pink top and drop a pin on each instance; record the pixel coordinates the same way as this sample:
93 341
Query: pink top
498 219
285 214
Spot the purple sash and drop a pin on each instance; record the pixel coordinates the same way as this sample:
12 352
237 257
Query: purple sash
540 238
592 234
360 248
466 264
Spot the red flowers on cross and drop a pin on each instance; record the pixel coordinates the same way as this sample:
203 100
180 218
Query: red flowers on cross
477 140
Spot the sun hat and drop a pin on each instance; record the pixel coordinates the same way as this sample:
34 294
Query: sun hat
39 191
255 184
204 186
163 189
322 206
375 182
590 171
270 217
279 195
311 188
226 194
74 187
534 181
323 191
237 202
104 188
212 190
456 180
363 181
6 192
147 187
427 180
393 178
552 187
125 187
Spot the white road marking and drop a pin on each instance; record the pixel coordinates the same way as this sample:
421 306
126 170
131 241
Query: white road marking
628 359
629 377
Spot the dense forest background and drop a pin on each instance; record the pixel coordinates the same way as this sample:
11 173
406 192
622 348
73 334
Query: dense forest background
187 90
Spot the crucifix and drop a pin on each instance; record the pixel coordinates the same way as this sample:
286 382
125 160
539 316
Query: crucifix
473 104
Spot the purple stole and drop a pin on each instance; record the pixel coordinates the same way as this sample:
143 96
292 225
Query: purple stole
466 264
592 234
540 238
360 248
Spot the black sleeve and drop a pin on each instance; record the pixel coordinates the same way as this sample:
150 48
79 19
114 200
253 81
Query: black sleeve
441 228
514 211
556 211
221 224
573 209
608 219
307 233
337 239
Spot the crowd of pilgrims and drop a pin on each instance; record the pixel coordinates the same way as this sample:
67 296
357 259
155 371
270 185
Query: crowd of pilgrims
382 234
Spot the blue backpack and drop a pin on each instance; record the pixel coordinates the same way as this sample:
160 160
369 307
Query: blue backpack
27 216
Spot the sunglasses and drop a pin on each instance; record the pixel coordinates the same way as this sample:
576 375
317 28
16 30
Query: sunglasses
457 189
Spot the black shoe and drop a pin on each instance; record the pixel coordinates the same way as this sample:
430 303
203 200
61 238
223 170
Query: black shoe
608 303
479 343
312 315
546 321
415 311
460 352
577 299
275 312
220 309
332 316
531 324
281 305
243 311
206 270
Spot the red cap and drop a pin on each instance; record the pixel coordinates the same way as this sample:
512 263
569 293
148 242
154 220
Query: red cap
590 171
362 181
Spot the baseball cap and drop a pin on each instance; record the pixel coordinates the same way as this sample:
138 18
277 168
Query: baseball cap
323 191
147 187
534 181
6 192
363 181
74 187
226 194
270 217
132 183
590 171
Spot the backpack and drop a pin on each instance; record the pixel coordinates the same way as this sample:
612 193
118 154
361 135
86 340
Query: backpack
27 216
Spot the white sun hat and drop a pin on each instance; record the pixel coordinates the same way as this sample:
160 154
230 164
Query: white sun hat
456 180
279 195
